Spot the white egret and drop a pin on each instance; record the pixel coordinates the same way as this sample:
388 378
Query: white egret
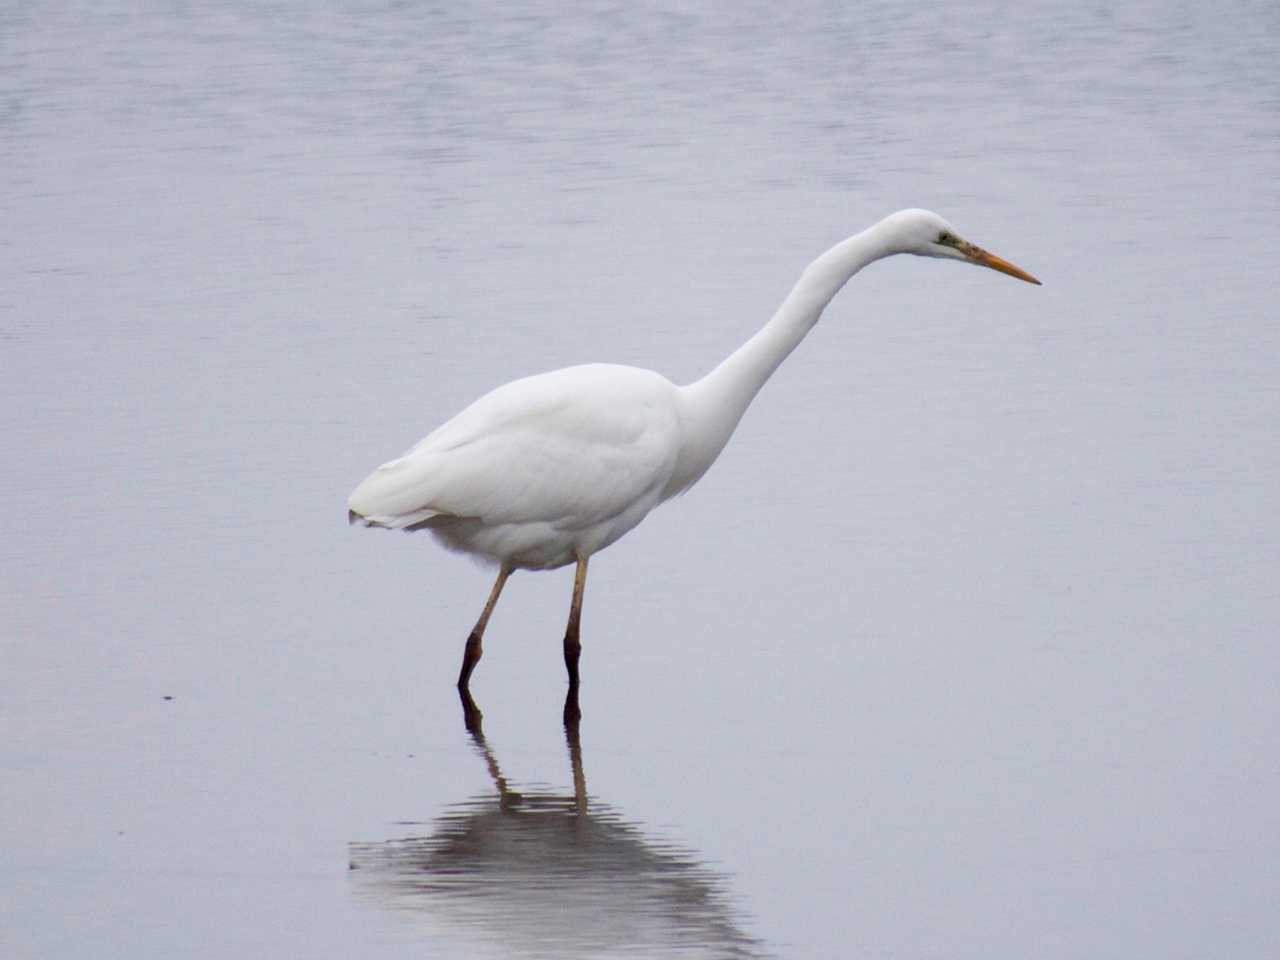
547 470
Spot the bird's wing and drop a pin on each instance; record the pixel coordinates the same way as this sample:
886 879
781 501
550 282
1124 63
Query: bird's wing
569 448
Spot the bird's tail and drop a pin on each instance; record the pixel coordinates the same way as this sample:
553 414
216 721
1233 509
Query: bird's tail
417 520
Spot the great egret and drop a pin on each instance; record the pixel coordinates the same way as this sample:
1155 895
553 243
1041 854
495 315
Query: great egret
547 470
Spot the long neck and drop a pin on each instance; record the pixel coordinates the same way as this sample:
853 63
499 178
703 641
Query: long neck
714 405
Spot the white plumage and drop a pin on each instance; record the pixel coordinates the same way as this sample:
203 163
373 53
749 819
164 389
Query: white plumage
540 471
550 469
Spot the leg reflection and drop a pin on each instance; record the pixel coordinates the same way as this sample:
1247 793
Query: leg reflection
572 713
502 874
471 715
472 720
573 737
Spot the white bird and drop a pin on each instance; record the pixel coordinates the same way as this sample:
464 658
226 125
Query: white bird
547 470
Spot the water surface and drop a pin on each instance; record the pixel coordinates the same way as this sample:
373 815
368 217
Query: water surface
965 648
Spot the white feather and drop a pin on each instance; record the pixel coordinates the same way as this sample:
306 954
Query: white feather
596 446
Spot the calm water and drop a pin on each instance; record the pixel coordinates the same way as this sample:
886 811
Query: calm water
967 646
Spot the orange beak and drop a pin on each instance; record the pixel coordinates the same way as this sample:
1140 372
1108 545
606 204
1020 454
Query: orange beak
979 256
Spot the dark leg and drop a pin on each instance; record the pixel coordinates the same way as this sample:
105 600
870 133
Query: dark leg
471 656
572 645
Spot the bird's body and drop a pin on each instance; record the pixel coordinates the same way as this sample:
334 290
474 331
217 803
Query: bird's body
550 469
598 447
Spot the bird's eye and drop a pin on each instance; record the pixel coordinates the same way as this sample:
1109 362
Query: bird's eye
945 238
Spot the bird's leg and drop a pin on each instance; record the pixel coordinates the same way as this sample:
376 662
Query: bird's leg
572 646
471 656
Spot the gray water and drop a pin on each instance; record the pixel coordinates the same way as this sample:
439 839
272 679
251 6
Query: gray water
965 648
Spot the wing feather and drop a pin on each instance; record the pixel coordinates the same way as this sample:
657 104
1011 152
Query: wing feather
569 448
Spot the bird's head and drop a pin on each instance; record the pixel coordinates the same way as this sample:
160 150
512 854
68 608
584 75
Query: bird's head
926 234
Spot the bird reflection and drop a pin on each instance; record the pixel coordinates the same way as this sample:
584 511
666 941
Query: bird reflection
540 873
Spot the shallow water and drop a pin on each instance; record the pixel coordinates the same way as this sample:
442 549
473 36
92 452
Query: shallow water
965 648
